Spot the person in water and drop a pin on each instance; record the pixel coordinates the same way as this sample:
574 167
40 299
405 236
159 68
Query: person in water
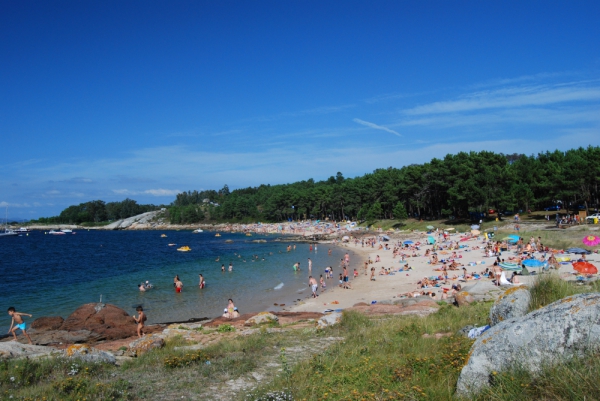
18 323
202 283
140 319
178 285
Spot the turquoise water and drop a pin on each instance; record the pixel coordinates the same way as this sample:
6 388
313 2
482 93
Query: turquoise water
50 275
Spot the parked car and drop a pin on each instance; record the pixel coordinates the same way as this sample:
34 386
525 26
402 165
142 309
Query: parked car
591 217
553 207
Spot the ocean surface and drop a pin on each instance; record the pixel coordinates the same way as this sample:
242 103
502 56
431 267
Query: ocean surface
49 275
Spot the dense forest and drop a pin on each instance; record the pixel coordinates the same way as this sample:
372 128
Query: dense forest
98 211
453 186
457 185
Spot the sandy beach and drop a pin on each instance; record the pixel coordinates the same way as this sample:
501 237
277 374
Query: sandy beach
390 287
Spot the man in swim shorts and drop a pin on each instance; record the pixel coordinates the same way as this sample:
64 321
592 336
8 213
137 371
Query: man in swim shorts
178 286
313 285
18 323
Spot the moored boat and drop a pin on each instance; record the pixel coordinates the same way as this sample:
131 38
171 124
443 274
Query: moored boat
53 232
184 249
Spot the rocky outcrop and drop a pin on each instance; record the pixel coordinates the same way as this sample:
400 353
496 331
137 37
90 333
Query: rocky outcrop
514 302
261 318
88 354
464 298
107 322
411 306
549 335
50 337
141 221
329 320
47 323
16 350
145 344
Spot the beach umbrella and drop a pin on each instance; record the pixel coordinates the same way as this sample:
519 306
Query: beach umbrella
578 250
510 266
475 227
450 229
533 263
475 232
430 227
591 240
585 268
510 239
431 240
408 242
385 237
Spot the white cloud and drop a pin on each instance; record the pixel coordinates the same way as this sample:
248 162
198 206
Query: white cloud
153 192
375 126
512 97
162 192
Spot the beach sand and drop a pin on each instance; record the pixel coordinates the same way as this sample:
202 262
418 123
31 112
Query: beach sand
390 287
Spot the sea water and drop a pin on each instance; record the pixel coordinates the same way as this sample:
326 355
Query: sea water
52 275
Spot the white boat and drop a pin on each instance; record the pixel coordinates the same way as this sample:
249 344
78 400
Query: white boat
199 230
66 231
56 232
23 230
7 231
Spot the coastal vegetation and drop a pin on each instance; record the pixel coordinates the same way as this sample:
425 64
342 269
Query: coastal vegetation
362 358
465 185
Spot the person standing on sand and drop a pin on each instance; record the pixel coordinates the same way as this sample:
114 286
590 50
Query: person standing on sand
497 273
140 321
309 266
18 323
312 283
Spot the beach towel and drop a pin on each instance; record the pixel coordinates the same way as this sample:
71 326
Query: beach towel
477 331
503 280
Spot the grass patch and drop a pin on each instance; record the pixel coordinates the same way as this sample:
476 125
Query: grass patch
384 358
575 379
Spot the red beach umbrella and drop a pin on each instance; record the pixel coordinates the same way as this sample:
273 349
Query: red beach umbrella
585 268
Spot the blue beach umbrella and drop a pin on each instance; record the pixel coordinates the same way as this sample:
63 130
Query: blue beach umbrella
431 240
408 242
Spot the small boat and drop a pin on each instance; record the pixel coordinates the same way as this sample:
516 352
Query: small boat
163 236
67 231
172 244
56 232
199 230
23 230
217 235
248 235
7 231
184 249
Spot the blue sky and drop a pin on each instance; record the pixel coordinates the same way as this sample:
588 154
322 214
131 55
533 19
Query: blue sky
143 99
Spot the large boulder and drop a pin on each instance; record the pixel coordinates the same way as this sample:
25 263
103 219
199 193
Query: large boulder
16 350
464 298
145 344
262 317
88 354
514 302
559 331
329 320
47 323
109 321
65 337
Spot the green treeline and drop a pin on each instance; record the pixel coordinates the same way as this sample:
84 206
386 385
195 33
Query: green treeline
453 186
456 185
98 211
